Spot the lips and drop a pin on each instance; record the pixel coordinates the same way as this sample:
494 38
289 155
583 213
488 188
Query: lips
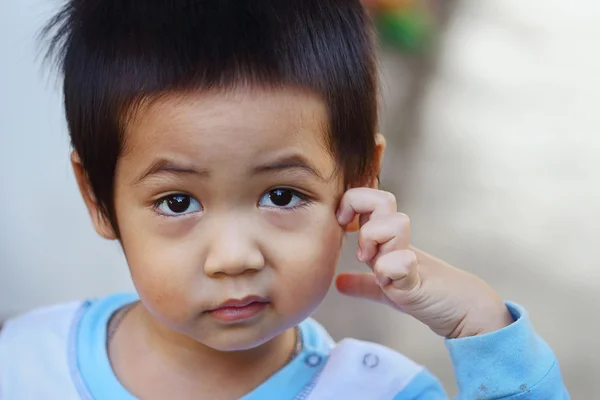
238 310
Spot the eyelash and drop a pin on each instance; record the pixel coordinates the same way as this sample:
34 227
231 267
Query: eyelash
305 202
156 206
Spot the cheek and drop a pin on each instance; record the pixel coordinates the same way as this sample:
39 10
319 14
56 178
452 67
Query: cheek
307 262
163 283
326 250
162 269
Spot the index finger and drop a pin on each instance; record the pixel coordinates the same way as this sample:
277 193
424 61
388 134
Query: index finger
365 201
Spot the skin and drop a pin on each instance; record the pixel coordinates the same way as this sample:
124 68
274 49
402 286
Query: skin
452 302
226 152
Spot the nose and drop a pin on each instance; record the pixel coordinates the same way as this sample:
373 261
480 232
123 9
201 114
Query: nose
232 250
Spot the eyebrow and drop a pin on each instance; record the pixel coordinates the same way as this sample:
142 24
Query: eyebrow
164 165
286 163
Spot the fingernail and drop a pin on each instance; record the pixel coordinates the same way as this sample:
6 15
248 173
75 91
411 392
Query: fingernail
359 255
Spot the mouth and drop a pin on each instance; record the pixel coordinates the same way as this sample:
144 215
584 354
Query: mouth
238 310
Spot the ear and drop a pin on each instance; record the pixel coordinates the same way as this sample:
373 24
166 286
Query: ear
380 145
101 223
371 181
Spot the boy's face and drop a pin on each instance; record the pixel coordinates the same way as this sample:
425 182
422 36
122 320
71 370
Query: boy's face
222 196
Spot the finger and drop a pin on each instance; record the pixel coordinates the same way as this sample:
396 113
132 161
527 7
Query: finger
365 201
383 234
360 285
397 270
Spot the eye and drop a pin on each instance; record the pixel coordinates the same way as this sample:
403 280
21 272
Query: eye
282 198
178 204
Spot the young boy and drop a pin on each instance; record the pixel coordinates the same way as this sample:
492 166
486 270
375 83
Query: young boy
229 145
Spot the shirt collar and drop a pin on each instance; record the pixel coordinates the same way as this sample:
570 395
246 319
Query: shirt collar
101 383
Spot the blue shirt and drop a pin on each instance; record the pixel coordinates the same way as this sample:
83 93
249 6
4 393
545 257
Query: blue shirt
512 363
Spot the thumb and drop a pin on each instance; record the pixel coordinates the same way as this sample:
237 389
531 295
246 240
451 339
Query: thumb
360 285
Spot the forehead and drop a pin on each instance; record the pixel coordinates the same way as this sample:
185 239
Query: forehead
235 127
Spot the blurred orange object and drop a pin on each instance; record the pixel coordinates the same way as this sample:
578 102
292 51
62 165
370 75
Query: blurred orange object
383 5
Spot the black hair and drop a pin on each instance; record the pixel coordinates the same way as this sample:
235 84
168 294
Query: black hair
114 54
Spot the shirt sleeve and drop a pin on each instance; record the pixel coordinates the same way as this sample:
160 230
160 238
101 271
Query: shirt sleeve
513 362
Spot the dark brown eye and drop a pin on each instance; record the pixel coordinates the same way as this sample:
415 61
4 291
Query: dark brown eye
281 197
178 204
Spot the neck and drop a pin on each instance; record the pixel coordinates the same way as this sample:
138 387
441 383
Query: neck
157 348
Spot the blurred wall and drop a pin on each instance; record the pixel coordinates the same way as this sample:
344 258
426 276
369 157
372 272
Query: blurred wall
493 153
495 156
48 249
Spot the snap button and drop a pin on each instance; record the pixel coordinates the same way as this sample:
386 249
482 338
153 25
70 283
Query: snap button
370 360
313 360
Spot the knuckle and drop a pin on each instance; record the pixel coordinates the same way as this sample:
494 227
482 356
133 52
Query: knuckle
411 258
366 231
399 261
388 198
381 269
402 219
405 218
373 229
390 263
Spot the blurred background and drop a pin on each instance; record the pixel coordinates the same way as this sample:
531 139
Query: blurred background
490 110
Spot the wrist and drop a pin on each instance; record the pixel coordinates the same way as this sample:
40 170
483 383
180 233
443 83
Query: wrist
483 319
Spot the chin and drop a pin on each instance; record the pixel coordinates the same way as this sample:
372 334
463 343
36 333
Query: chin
240 340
